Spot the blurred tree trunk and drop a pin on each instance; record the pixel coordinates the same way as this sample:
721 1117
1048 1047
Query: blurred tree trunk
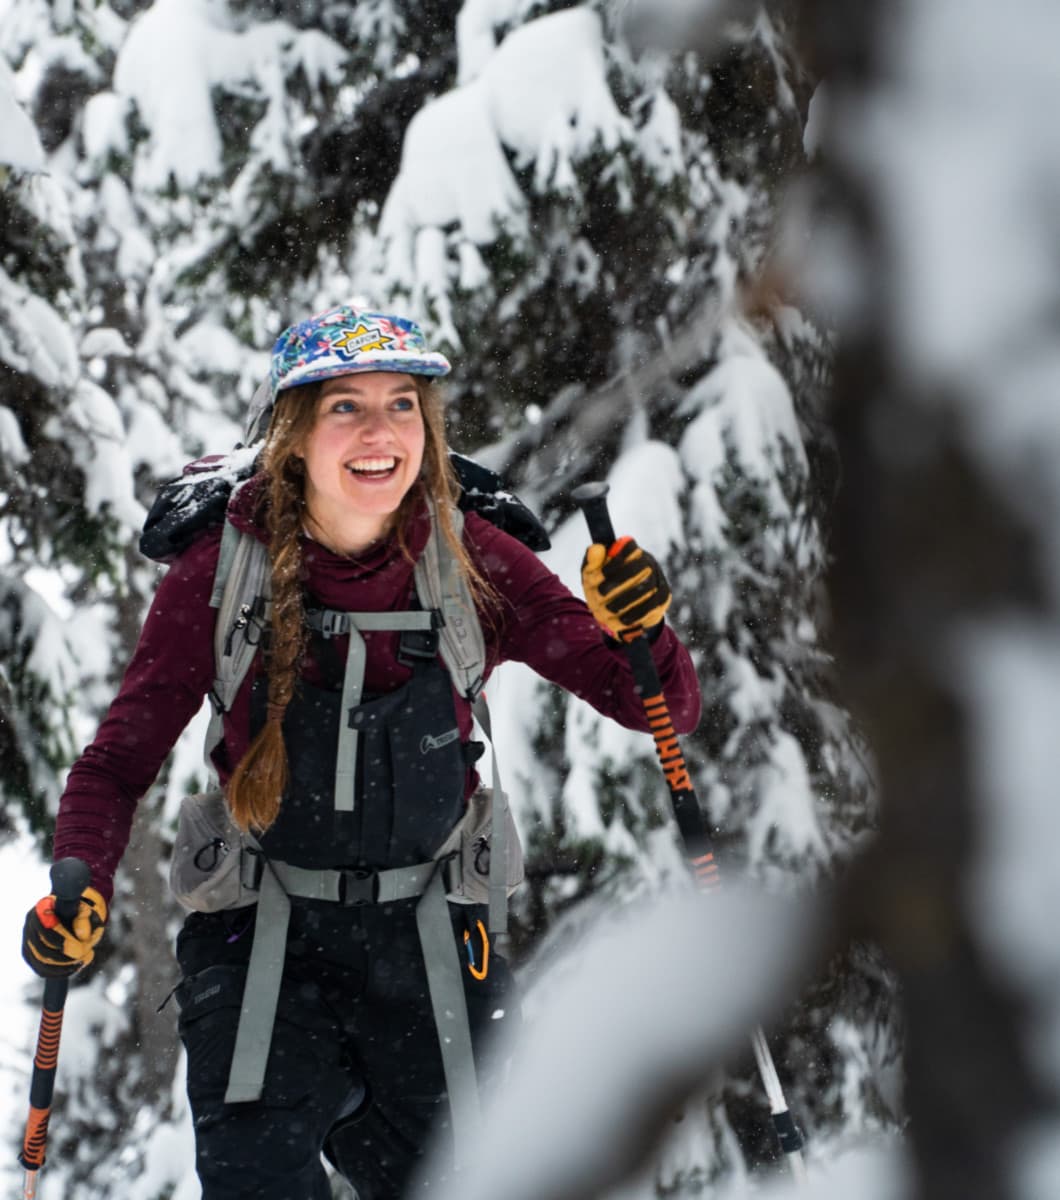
149 945
145 912
923 544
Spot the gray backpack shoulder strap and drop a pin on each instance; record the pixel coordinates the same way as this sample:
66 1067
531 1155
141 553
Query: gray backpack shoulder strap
242 595
441 585
230 537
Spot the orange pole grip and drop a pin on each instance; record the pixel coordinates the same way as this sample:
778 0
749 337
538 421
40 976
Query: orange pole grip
36 1137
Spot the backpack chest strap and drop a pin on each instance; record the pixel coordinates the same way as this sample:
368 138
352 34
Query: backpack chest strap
331 623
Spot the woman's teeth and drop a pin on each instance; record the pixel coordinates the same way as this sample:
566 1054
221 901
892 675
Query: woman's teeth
373 466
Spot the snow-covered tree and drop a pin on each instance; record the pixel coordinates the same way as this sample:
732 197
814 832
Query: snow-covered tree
38 360
579 222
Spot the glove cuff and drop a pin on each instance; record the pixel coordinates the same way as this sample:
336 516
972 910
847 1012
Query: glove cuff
651 635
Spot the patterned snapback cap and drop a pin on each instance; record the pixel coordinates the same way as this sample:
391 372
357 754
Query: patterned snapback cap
345 340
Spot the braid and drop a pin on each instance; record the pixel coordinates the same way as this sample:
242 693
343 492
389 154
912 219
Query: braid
258 783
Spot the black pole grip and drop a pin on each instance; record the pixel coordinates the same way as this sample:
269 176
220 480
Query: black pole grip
591 498
787 1131
70 877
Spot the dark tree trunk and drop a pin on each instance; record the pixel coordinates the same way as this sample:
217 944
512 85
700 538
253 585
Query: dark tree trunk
148 931
923 545
146 916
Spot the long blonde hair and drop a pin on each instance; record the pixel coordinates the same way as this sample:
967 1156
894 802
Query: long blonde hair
260 779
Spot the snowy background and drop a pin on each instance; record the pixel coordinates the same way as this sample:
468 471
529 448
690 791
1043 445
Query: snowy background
772 271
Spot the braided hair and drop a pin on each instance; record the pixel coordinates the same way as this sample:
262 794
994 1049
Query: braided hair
259 781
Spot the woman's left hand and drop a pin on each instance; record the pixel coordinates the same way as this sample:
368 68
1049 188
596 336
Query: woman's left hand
625 588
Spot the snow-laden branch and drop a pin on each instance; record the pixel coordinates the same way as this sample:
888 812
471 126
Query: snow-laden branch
656 1000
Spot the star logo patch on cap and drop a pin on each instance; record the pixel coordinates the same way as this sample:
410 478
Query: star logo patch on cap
361 338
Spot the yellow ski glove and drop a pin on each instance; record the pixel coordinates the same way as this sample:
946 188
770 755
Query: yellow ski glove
52 949
625 588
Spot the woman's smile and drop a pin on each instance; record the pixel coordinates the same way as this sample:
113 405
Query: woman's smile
373 468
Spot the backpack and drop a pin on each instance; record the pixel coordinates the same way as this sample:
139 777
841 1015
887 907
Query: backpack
205 871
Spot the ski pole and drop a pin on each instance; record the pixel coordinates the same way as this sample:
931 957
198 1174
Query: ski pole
70 877
592 499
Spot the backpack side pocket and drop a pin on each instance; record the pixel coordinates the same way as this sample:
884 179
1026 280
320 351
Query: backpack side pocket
204 872
471 841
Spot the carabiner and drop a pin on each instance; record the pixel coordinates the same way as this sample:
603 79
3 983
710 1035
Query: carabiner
478 972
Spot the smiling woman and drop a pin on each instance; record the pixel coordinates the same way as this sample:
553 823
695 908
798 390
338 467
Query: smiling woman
312 1001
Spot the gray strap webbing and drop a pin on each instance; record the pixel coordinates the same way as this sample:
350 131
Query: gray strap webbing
446 987
346 751
399 883
332 623
441 584
243 575
261 993
257 1017
280 881
229 540
498 880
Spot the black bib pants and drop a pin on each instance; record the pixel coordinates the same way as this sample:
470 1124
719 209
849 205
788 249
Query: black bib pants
354 1068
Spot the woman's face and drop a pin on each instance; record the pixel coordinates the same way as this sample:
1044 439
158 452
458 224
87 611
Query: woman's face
364 451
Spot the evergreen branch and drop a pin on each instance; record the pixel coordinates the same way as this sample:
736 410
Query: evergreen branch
548 456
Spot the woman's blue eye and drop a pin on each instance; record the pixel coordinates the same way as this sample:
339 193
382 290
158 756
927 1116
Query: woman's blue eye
399 404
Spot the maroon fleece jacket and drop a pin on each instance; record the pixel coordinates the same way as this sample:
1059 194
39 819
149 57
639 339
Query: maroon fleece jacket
539 623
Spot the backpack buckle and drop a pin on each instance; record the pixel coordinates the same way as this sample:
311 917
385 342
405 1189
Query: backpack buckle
452 869
332 623
416 646
358 887
251 868
250 622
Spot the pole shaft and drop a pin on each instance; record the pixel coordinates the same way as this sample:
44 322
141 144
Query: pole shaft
70 877
592 498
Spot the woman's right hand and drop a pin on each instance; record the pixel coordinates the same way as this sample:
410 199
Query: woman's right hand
625 588
55 950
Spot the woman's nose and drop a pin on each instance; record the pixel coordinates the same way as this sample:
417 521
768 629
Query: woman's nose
372 425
